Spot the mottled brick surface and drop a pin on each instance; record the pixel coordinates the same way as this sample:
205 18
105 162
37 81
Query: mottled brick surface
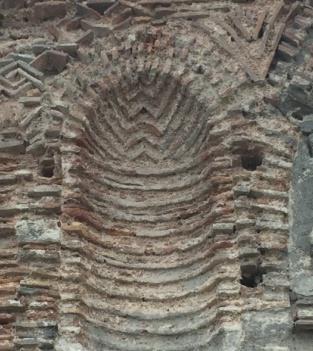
156 175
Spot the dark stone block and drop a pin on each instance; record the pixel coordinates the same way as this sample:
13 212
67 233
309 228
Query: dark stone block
100 5
49 9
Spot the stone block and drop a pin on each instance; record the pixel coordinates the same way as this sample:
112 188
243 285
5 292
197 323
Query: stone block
69 48
6 230
100 5
7 179
85 11
51 60
39 48
307 127
30 101
303 284
8 211
49 10
8 306
57 60
22 57
286 51
99 30
304 325
7 4
38 231
45 190
86 39
12 146
24 174
6 318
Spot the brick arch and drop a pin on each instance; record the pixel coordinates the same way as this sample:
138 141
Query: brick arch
167 201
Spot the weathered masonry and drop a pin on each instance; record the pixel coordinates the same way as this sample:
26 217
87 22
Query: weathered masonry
156 175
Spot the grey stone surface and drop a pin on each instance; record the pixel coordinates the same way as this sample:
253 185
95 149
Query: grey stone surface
274 326
300 253
40 231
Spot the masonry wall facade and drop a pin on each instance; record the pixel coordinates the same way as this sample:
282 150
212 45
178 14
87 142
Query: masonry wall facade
156 175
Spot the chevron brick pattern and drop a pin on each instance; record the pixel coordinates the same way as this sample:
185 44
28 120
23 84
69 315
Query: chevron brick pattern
17 77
